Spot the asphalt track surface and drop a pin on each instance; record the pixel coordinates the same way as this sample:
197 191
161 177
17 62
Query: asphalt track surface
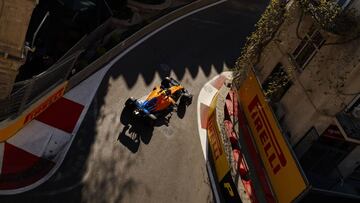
109 162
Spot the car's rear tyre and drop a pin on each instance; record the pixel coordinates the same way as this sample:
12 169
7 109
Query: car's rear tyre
174 82
151 119
165 83
130 103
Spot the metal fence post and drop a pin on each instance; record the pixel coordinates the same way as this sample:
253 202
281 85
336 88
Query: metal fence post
69 71
26 96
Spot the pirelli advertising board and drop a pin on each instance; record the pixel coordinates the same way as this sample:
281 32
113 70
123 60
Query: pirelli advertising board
33 111
222 168
286 178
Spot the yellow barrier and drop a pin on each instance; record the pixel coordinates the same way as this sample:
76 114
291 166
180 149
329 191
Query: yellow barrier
222 167
286 178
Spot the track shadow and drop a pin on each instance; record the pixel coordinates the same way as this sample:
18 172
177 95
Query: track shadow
128 140
134 130
164 120
203 50
181 110
125 117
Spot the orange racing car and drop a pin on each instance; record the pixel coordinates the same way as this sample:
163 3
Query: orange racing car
161 100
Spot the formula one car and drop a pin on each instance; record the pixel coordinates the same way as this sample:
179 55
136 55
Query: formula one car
161 100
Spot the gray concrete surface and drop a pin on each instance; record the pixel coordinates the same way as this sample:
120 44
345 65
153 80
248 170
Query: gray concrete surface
105 164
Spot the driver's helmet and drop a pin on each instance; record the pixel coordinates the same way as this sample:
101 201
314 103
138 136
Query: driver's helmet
165 92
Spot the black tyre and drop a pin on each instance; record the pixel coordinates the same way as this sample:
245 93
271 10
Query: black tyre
130 103
174 82
176 95
186 99
165 83
151 119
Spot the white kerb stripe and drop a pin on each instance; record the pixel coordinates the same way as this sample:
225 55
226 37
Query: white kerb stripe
32 138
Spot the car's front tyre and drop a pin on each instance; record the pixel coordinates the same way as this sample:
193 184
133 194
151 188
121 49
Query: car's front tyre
130 103
186 99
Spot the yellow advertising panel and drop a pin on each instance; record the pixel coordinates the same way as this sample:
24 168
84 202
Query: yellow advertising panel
222 168
286 178
217 148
